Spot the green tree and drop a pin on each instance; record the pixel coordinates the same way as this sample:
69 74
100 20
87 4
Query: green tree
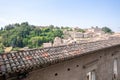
58 33
36 41
9 27
51 26
23 35
81 30
107 30
1 48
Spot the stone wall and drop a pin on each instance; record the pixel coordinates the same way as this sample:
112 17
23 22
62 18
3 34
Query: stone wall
76 69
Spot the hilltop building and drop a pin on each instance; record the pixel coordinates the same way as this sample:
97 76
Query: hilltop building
57 41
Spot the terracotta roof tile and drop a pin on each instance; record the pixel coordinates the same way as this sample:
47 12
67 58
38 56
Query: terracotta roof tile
38 58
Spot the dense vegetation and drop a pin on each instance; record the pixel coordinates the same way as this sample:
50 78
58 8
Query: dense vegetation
25 35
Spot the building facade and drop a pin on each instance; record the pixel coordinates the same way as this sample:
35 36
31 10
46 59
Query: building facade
99 65
98 60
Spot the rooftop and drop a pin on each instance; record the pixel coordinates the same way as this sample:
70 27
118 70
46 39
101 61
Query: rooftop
29 60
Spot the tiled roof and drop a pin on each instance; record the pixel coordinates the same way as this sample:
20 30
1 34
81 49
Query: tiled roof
38 58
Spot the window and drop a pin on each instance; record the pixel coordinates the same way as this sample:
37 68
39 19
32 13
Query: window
115 72
56 74
91 75
68 69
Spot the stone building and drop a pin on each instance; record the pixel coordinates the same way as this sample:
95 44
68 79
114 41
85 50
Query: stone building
47 44
57 41
95 31
98 60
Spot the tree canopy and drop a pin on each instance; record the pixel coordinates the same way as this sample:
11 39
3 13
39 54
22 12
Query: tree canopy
26 35
107 30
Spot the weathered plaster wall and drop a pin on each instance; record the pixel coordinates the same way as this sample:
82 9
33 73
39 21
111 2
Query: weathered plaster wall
76 69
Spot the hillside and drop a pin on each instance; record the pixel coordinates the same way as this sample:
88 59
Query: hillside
18 36
26 35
